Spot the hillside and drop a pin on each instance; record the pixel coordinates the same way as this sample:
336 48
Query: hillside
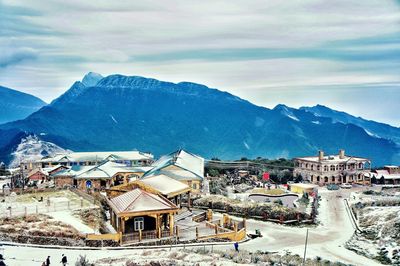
15 105
373 128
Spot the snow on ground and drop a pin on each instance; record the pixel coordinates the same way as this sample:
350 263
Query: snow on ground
326 240
68 218
380 224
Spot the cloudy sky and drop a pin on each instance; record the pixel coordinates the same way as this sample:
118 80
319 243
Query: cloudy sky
343 54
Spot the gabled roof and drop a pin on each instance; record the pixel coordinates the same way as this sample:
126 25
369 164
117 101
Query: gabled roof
386 175
104 170
34 171
166 185
190 164
99 156
333 159
139 200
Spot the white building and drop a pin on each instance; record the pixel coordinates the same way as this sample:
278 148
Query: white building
336 169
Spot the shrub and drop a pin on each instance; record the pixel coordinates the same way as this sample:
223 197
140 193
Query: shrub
83 261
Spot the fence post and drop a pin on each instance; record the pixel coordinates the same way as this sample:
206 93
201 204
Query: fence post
197 232
235 227
177 231
209 215
120 238
281 218
37 210
140 235
216 229
26 211
244 224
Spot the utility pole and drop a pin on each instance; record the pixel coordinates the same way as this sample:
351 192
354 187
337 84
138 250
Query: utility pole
305 249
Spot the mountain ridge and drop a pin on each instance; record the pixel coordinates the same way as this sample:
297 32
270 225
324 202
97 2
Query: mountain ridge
15 105
131 112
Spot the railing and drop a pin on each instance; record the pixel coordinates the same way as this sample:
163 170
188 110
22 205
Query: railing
199 217
12 211
165 233
144 235
151 234
132 237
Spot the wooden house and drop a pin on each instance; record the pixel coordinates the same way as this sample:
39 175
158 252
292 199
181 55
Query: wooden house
142 212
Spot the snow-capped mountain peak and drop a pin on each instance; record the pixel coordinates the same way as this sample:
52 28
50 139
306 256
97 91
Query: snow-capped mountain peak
32 148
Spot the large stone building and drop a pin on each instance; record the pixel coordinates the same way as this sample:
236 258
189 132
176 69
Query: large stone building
335 169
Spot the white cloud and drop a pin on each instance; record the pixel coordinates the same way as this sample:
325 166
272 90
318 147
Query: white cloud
73 37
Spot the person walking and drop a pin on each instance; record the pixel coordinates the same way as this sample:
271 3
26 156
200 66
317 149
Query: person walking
2 260
236 245
48 261
64 260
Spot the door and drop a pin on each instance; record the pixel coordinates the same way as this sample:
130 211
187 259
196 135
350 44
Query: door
138 223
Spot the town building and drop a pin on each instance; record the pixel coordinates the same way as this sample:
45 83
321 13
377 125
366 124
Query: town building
101 176
43 174
389 175
334 169
183 166
129 158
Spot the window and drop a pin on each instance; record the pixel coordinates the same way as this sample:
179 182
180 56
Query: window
138 223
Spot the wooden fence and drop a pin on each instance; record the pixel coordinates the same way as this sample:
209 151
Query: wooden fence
115 237
231 235
199 217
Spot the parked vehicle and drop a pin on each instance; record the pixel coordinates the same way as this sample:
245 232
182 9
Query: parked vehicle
332 187
346 185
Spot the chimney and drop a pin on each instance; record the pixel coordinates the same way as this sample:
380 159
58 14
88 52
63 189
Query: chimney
320 155
341 154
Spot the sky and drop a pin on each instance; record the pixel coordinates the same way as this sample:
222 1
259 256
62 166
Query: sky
342 54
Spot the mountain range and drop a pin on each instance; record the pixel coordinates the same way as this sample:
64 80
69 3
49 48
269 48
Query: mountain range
15 105
130 112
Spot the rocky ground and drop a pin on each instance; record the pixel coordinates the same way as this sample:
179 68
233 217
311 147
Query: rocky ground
207 257
379 220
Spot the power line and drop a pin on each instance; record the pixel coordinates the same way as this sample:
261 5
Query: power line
244 164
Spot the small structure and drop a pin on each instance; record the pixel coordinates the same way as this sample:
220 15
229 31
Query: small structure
301 188
140 211
43 174
389 175
37 175
182 166
333 169
158 184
